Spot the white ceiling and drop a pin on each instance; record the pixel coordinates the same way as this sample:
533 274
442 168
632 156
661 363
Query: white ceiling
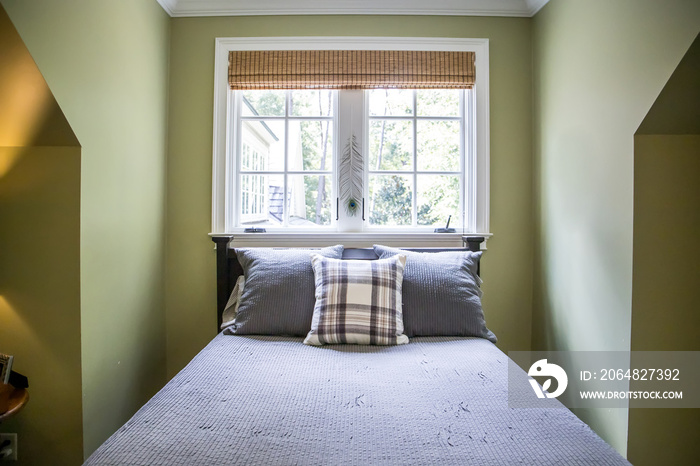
521 8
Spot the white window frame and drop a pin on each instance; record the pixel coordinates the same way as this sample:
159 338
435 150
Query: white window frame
466 153
233 202
477 168
256 148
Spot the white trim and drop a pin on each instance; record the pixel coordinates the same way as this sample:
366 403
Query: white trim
483 139
226 44
534 6
508 8
469 161
220 142
233 103
349 43
351 239
170 6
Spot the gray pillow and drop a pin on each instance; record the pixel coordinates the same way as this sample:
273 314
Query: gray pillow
441 294
279 293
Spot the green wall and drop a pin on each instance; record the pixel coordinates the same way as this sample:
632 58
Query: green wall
40 297
598 67
665 291
29 113
676 109
507 267
107 65
39 256
666 255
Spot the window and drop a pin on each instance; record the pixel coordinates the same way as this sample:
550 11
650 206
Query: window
415 144
254 192
282 157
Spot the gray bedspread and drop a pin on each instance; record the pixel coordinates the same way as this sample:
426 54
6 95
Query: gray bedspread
274 401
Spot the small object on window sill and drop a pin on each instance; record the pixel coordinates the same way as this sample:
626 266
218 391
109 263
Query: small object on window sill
447 228
254 230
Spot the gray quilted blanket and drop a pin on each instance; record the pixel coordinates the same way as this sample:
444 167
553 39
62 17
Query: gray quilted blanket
274 401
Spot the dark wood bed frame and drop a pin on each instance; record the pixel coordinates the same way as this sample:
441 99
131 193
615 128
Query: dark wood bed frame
228 269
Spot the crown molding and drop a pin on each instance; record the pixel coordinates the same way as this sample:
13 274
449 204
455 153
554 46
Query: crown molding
169 6
533 6
514 8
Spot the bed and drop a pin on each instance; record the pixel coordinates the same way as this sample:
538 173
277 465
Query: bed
273 400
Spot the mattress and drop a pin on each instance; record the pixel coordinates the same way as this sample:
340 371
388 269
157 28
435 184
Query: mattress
274 401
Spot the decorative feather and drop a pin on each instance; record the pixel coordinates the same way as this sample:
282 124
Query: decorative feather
351 171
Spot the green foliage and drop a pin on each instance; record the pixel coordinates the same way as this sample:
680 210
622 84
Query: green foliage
317 153
268 103
438 198
391 199
391 145
323 215
391 148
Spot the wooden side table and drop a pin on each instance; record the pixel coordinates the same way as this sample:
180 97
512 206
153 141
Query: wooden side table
16 399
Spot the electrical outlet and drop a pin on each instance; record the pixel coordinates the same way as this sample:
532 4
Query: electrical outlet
8 447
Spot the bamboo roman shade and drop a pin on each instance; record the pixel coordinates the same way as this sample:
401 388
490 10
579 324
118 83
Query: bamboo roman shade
350 69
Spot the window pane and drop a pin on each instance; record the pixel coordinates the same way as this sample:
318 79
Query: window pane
310 145
390 145
310 200
394 102
390 200
438 145
437 102
262 197
275 200
262 145
437 197
263 103
312 103
254 198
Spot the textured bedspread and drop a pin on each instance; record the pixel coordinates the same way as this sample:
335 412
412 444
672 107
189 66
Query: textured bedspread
273 400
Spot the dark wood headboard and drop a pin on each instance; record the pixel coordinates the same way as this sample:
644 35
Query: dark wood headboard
228 269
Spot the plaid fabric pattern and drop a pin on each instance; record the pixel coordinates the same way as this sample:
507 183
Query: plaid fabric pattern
357 302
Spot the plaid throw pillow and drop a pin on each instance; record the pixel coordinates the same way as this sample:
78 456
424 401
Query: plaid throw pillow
357 302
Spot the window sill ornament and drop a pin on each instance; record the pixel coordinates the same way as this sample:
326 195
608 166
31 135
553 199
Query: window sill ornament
351 171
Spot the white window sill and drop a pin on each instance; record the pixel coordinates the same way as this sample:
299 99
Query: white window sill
359 239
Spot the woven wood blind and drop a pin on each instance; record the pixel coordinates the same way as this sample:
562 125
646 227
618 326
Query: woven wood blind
350 69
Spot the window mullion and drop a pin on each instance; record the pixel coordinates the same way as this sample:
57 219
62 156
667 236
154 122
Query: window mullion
414 206
235 146
285 194
470 174
463 158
